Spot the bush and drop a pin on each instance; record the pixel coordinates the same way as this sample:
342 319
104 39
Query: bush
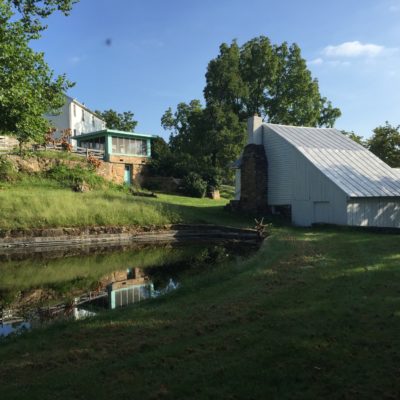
193 185
73 177
8 172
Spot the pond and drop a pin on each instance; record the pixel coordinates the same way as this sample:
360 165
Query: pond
80 283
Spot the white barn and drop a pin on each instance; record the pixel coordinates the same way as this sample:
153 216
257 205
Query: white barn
325 177
76 117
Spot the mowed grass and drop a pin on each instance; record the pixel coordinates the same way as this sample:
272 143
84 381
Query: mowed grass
44 204
313 314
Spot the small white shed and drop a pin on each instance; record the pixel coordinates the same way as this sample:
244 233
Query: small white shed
325 177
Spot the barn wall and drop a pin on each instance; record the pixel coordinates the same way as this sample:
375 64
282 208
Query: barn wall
316 199
378 212
294 180
280 156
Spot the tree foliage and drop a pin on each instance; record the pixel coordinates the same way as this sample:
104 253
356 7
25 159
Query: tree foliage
256 78
385 143
356 138
272 81
33 12
207 136
28 87
120 121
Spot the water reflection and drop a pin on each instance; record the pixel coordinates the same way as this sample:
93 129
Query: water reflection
115 290
39 290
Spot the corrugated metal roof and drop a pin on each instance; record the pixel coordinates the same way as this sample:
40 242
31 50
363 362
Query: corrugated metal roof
357 171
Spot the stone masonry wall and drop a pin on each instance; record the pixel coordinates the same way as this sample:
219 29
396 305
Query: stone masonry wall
254 180
112 171
115 169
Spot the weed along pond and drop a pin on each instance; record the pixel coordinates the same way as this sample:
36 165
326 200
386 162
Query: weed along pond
65 286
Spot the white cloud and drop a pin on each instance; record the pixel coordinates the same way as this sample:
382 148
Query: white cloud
394 8
353 49
316 61
338 63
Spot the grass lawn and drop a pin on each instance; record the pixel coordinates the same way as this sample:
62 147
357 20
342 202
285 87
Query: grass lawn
313 314
43 203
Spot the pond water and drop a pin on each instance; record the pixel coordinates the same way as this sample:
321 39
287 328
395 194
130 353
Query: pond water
80 283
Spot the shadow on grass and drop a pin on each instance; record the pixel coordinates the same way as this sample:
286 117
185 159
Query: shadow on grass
289 323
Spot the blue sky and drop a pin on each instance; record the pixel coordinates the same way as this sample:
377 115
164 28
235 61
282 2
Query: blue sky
160 49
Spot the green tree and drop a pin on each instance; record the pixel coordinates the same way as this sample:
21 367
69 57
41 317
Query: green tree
159 148
385 143
270 80
120 121
32 12
258 70
185 126
224 83
353 136
204 139
258 77
28 87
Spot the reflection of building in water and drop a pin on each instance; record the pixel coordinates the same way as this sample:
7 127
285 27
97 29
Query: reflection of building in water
130 287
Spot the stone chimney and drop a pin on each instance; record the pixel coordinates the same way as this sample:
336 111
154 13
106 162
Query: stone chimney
254 171
254 130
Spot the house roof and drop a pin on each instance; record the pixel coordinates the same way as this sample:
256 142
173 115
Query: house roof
357 171
112 132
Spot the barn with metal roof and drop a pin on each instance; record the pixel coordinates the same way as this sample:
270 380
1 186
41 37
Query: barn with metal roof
322 176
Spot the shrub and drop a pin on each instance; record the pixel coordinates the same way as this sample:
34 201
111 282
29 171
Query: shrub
73 177
8 172
93 162
193 185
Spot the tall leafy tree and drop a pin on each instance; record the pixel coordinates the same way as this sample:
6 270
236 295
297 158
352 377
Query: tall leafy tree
255 78
385 143
28 87
122 121
294 96
270 80
211 134
258 70
185 126
225 85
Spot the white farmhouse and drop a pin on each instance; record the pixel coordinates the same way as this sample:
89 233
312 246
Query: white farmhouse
316 175
76 117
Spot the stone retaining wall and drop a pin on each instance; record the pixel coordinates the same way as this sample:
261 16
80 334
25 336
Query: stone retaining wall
36 240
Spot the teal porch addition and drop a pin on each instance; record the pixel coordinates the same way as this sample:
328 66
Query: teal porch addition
131 293
116 143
